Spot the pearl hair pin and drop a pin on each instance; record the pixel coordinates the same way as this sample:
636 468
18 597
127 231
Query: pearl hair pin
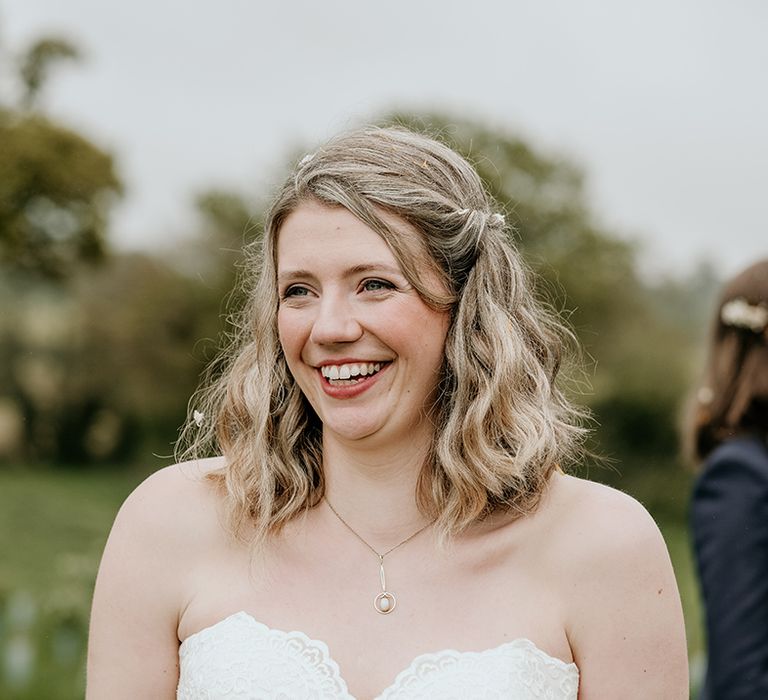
385 602
495 218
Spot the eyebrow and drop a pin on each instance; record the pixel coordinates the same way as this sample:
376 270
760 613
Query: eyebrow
289 275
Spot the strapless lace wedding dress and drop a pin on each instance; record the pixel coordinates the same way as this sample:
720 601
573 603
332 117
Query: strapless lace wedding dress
242 658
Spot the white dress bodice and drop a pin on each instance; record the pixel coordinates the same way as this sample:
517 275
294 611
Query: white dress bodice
242 658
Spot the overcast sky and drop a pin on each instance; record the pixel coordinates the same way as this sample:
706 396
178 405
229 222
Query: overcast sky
662 102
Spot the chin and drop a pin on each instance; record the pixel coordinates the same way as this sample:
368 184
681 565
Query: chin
356 425
351 432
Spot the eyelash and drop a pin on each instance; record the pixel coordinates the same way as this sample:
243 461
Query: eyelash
384 286
290 292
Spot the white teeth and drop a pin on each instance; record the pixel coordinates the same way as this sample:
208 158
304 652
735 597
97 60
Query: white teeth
349 371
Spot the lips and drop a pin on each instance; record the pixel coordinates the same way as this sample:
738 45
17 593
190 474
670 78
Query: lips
347 379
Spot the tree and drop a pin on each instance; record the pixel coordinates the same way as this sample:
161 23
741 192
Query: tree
56 187
105 369
36 63
56 190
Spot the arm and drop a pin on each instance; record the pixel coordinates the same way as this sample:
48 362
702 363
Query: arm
729 516
626 624
133 645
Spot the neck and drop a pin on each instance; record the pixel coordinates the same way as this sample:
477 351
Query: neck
374 490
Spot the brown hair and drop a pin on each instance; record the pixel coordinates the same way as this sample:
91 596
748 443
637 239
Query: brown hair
733 395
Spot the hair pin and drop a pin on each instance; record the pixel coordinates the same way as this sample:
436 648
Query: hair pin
739 313
306 159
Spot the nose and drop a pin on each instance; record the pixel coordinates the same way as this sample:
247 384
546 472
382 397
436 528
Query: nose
335 322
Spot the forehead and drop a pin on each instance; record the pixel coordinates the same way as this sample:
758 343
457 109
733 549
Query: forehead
314 232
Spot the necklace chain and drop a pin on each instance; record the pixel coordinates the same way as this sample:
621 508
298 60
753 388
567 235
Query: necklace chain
385 602
355 533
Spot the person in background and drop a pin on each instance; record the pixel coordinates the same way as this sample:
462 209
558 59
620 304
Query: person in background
728 439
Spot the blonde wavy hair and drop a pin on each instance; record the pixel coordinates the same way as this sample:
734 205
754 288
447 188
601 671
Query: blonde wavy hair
502 422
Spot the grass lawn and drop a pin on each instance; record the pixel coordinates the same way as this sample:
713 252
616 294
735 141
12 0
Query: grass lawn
53 525
676 536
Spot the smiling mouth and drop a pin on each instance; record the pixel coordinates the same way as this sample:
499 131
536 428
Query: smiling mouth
351 373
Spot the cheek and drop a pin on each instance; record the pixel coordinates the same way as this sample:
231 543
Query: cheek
430 329
291 334
434 325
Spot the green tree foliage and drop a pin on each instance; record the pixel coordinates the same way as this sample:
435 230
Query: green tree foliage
56 187
228 223
103 371
36 63
56 190
141 321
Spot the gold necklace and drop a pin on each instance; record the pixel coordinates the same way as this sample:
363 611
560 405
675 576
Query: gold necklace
385 602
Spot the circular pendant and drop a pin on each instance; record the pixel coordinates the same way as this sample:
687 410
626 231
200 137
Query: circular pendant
385 603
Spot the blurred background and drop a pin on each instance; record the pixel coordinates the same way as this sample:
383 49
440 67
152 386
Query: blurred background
139 143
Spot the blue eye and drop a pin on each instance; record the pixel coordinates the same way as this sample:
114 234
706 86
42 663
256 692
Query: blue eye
377 285
295 291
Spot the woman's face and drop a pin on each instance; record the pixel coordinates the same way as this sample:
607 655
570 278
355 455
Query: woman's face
361 344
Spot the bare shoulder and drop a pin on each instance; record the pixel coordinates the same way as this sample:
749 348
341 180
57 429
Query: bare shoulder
579 524
595 517
173 502
622 609
608 543
186 479
169 521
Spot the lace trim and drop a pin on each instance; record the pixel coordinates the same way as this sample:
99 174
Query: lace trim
307 663
519 663
209 669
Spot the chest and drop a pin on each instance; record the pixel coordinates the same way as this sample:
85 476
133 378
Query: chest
464 601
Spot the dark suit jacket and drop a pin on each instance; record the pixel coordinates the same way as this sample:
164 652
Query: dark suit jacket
729 518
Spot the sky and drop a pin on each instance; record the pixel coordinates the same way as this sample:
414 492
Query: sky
662 103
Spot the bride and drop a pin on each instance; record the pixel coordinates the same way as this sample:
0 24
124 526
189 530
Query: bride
389 518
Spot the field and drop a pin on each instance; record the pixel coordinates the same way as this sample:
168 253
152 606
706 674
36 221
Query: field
53 525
